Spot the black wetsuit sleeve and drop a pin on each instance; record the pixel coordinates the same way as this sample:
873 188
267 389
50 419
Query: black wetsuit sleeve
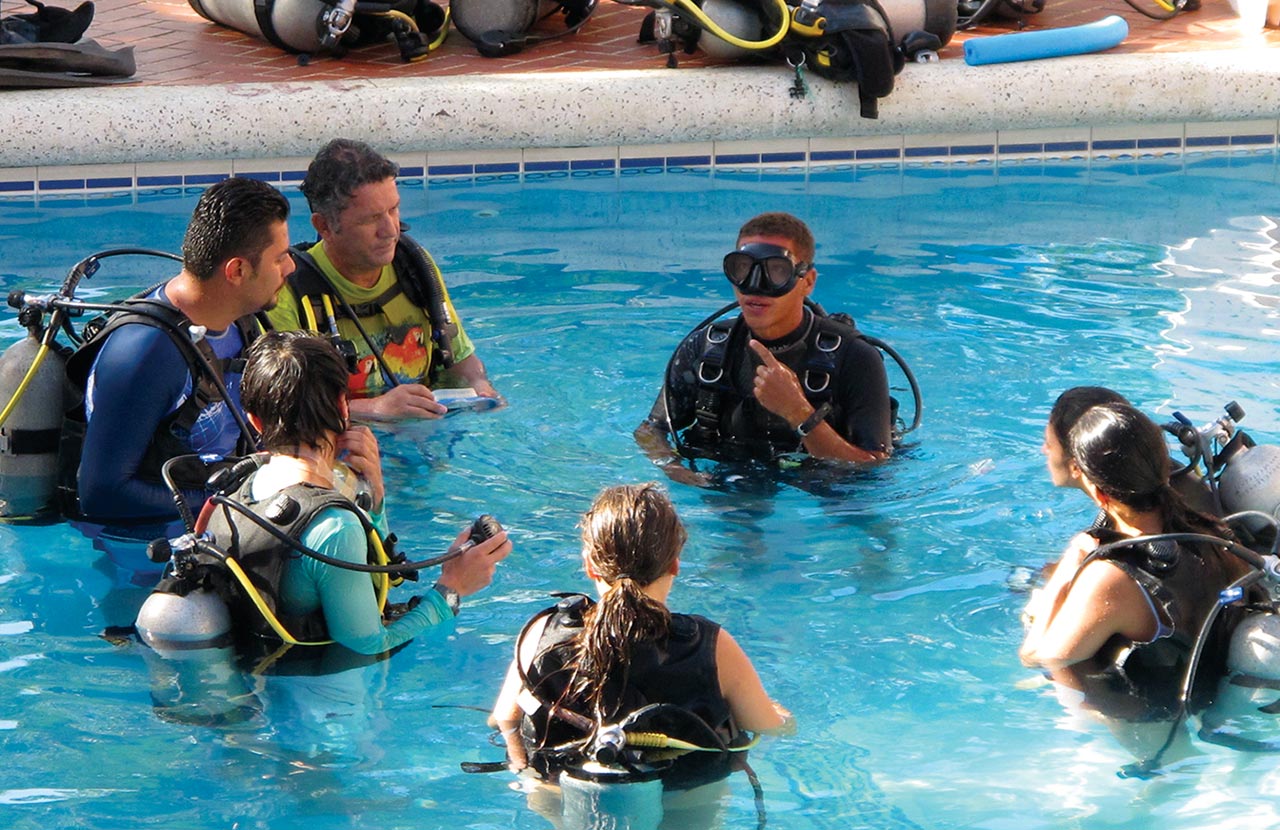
681 387
136 381
864 399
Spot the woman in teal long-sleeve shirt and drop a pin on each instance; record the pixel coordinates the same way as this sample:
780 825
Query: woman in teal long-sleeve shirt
294 391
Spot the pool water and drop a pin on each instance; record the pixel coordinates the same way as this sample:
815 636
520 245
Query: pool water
880 606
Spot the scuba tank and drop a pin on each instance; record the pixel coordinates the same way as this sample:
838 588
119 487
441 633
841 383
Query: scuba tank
1255 646
33 382
503 27
1250 479
170 622
334 26
600 795
866 41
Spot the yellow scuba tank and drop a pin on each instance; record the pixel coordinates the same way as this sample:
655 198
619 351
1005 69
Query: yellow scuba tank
34 402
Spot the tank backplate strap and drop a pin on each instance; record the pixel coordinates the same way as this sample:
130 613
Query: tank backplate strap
712 383
15 441
262 11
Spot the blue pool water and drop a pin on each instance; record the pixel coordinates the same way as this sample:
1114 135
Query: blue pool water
882 608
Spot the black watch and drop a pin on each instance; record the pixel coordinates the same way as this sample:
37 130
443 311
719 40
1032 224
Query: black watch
809 424
451 597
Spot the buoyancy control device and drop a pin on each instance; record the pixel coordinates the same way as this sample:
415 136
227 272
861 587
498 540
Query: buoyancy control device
310 27
866 41
504 27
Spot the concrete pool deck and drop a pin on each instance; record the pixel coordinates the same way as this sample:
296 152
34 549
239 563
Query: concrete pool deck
209 95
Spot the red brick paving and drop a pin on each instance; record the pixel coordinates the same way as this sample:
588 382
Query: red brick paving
174 45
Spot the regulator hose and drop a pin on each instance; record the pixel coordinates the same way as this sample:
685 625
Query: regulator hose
691 9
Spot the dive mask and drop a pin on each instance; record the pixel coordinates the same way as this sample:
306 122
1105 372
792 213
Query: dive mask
763 269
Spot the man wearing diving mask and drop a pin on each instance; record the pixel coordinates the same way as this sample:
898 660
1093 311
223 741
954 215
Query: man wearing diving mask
782 377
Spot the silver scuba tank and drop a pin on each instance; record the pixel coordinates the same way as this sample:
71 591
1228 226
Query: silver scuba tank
1255 647
597 796
745 20
937 17
168 622
29 438
299 25
738 19
1250 480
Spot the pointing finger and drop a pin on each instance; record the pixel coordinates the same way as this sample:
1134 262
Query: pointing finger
763 352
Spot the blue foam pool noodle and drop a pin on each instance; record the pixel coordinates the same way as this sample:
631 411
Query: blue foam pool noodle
1047 43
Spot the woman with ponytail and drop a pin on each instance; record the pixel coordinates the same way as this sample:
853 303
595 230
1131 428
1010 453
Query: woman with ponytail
581 666
1136 605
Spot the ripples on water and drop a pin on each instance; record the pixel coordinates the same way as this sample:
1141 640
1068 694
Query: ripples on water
882 606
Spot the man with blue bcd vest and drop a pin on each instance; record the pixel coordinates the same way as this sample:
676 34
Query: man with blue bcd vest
162 379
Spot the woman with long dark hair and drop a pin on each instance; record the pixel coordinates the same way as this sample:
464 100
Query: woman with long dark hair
1139 604
589 664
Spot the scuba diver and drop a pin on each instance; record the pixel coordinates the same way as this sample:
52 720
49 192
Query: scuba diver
1202 577
377 292
782 377
148 395
295 391
1130 615
1129 601
597 690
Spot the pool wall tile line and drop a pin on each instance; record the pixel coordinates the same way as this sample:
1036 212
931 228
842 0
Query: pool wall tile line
1000 148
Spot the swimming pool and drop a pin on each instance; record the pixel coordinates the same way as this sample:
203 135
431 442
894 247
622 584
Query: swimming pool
882 609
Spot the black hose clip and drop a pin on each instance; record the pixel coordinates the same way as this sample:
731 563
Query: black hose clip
396 557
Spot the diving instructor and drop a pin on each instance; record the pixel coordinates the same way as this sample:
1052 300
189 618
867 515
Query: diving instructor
782 377
380 289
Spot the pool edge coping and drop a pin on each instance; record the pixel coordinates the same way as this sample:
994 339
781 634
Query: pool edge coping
560 118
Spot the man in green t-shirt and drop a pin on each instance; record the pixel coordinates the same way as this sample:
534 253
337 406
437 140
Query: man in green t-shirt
379 289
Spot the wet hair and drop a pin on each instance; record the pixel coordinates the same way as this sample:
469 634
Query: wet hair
293 382
632 536
340 168
1073 403
232 219
786 226
1123 453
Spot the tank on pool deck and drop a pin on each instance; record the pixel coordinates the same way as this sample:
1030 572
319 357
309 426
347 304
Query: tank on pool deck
295 24
746 20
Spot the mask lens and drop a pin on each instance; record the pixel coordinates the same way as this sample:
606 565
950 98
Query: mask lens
780 271
737 266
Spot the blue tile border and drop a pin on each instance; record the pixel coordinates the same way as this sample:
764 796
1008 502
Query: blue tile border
1010 153
883 154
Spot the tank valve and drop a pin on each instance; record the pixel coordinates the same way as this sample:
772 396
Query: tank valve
335 21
